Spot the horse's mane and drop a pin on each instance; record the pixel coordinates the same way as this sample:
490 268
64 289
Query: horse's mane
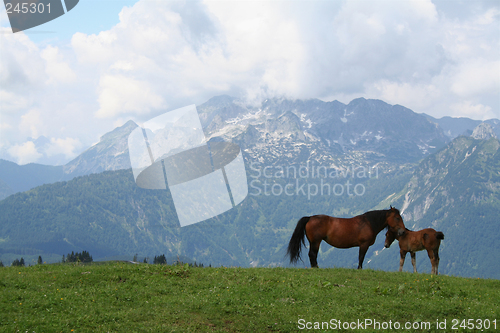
377 217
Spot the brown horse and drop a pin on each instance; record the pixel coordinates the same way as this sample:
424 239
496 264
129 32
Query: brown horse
342 233
413 241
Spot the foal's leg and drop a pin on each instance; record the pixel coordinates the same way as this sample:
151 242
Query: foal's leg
313 253
402 260
414 261
434 261
432 257
362 252
436 255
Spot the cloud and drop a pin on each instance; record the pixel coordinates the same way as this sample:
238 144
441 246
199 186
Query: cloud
94 48
10 102
31 123
21 71
24 153
56 68
421 96
120 94
67 147
300 50
471 110
477 77
436 57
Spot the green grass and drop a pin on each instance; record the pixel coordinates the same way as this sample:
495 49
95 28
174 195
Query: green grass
121 297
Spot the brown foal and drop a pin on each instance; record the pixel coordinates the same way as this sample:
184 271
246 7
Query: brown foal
414 241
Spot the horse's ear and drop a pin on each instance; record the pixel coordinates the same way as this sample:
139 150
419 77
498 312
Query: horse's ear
390 206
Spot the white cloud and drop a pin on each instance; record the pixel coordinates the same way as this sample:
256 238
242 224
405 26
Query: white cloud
56 68
24 153
436 57
471 110
120 94
11 102
418 96
67 147
93 48
21 64
21 71
477 77
31 123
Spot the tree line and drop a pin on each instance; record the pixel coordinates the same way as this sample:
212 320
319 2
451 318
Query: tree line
84 256
21 262
162 260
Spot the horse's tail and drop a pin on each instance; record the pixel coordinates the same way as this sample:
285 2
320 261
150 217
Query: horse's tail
295 245
439 235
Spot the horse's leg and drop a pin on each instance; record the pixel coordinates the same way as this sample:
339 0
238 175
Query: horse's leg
362 252
414 261
402 260
432 258
435 262
313 253
436 255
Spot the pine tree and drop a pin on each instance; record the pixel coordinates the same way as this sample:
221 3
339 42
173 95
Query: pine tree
79 257
160 260
40 261
1 263
18 262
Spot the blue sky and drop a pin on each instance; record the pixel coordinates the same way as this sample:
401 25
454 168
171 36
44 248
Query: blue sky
67 82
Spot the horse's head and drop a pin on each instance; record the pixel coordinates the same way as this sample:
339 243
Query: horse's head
395 222
389 238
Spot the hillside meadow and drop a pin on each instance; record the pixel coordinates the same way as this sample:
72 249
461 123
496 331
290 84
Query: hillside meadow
124 297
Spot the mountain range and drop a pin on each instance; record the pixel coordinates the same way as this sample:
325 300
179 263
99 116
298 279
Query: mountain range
419 164
363 131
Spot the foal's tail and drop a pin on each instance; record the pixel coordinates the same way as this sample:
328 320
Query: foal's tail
297 240
439 235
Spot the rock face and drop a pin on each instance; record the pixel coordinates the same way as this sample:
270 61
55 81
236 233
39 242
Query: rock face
483 131
331 129
111 153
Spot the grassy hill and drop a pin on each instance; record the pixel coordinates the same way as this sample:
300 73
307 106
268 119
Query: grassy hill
118 297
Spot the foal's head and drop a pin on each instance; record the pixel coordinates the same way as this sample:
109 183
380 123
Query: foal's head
389 238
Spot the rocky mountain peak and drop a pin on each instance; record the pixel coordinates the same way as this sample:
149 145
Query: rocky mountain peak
110 153
119 132
483 131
